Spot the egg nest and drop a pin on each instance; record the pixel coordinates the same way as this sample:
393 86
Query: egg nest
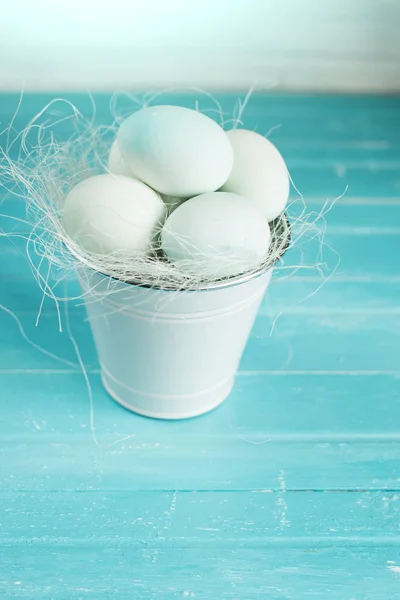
41 167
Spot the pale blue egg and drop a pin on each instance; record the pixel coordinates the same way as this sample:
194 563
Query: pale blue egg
177 151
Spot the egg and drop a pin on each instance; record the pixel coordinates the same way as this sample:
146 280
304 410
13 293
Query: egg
259 172
177 151
216 235
113 214
115 163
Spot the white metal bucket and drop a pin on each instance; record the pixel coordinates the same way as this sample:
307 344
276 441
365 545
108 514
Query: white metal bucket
171 354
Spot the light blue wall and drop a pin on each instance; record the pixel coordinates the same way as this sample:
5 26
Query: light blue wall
295 44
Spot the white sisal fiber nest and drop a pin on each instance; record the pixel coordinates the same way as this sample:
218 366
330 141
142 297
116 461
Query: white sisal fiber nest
41 167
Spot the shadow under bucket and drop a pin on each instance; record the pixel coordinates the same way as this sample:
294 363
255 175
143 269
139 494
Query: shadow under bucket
173 354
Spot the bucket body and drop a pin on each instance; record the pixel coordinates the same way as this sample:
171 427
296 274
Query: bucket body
170 354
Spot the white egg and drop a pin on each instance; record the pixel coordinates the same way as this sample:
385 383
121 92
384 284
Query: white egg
216 235
113 213
177 151
115 163
259 172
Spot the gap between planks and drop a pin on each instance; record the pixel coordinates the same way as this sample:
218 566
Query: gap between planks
352 373
163 491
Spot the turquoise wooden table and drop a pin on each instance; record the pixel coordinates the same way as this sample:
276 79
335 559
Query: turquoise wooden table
291 489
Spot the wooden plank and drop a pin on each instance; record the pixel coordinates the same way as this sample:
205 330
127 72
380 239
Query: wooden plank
338 295
352 214
292 432
294 342
351 255
292 295
301 119
185 518
283 546
98 572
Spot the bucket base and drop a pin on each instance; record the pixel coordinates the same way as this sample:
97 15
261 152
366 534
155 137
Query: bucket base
166 407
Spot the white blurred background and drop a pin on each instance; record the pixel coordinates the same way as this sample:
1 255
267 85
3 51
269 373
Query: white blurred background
317 45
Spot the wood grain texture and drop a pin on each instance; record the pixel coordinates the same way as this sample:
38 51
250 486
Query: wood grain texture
189 545
290 490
